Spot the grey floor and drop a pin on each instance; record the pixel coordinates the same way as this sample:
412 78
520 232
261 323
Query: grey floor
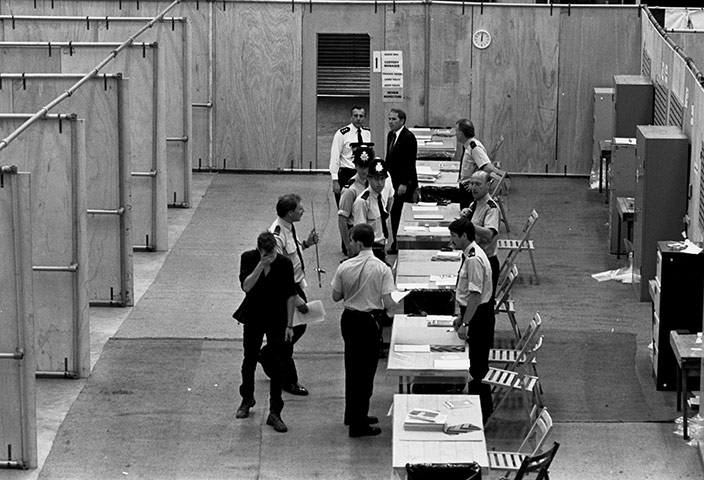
588 450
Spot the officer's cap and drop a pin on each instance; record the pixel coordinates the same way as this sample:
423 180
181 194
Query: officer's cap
363 155
377 168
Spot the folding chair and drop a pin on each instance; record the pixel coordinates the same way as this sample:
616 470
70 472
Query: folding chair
498 177
539 463
510 356
504 381
537 434
516 246
503 301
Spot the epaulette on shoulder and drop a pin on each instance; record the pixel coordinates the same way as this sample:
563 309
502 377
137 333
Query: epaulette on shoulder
491 203
365 128
349 183
277 230
471 253
365 195
472 144
344 130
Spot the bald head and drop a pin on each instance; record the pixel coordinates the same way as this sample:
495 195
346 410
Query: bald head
479 183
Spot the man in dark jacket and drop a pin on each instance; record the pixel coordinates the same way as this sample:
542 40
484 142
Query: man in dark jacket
267 279
401 152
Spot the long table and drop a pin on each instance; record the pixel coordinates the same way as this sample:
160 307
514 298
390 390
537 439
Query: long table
437 180
415 352
438 447
419 230
689 355
431 282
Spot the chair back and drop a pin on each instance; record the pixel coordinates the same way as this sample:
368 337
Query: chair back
522 240
445 471
539 431
503 289
539 463
525 232
530 332
497 182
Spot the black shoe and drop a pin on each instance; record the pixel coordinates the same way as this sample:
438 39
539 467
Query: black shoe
371 420
295 389
275 421
243 410
365 431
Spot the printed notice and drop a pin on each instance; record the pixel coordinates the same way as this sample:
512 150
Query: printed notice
392 75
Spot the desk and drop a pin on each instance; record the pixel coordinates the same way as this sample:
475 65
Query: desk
442 186
427 366
415 234
604 159
689 357
626 209
435 143
431 283
437 447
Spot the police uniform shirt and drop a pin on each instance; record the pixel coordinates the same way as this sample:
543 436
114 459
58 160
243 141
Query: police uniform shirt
341 152
363 280
474 276
474 158
366 210
485 213
286 246
349 194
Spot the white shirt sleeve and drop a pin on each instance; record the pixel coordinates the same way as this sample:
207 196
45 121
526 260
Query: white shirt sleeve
335 151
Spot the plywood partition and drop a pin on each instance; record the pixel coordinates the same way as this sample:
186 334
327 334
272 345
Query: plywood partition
258 88
102 103
17 395
173 37
54 154
142 65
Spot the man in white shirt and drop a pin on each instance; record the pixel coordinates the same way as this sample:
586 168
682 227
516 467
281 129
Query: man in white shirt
474 157
341 151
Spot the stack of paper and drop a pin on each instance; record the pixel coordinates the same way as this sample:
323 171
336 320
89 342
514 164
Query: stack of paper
428 216
453 256
425 420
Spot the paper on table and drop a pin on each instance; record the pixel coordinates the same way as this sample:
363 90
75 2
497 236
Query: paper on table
444 280
412 286
413 228
398 296
453 254
427 204
316 313
411 348
441 230
422 208
428 216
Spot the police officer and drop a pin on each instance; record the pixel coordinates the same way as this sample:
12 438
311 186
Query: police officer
289 210
475 323
341 165
474 157
353 189
485 215
373 205
365 284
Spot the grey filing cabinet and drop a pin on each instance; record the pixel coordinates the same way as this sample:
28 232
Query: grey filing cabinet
622 183
661 184
633 104
677 294
603 119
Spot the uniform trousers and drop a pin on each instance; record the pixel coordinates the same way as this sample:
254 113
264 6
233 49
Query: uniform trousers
343 176
494 262
289 374
360 332
464 198
397 209
253 335
480 339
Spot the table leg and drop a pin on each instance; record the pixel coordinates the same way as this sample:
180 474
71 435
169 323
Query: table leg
618 237
601 170
685 434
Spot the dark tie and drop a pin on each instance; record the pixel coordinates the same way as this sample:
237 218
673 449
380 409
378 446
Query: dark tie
298 248
392 141
457 282
384 216
461 160
359 136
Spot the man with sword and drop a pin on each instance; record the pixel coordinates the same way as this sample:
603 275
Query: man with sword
289 210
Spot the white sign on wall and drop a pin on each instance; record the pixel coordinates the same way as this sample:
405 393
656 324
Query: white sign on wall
392 75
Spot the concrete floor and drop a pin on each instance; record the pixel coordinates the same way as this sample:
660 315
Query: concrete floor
588 450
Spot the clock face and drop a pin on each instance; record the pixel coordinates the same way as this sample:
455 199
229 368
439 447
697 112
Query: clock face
481 39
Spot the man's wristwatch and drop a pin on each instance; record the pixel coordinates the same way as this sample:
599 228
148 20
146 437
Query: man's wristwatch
289 326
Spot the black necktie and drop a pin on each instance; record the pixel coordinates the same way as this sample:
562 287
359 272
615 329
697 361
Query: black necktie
392 141
459 272
384 216
298 248
359 136
462 160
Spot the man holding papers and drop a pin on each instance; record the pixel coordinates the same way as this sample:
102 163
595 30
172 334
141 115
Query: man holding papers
475 324
365 284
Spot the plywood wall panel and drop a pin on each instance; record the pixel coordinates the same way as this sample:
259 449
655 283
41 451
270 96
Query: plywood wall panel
514 86
98 102
258 80
694 119
405 31
585 64
54 154
450 64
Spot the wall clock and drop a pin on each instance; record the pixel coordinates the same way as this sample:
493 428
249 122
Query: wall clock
481 39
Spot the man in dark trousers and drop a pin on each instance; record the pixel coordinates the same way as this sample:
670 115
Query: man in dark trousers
473 157
475 323
365 283
267 279
401 152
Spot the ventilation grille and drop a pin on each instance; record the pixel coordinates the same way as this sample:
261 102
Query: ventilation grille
676 112
660 105
645 65
343 65
701 190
